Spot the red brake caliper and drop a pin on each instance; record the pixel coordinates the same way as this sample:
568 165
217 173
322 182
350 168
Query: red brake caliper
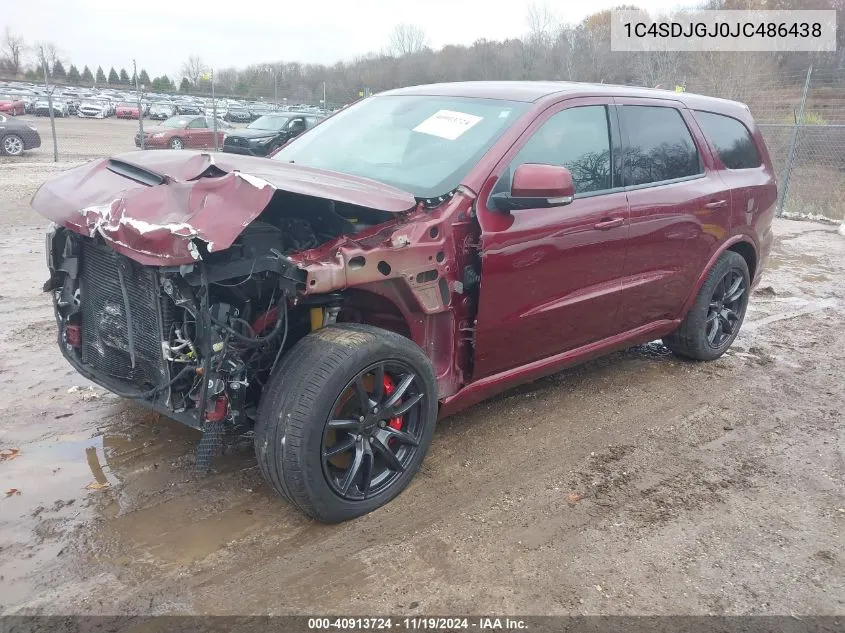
389 388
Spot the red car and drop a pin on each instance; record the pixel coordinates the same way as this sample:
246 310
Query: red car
415 253
12 104
184 132
127 111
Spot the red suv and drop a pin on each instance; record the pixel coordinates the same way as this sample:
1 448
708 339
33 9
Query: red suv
417 252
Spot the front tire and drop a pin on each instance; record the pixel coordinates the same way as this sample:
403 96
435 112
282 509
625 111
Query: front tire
346 420
714 320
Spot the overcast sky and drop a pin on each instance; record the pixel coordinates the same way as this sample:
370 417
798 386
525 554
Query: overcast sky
161 35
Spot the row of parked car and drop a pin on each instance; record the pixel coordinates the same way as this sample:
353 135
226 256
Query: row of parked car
18 98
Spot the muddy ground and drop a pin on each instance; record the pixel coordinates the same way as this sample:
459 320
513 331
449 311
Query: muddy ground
636 484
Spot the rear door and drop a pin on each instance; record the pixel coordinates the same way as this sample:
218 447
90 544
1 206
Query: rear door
680 208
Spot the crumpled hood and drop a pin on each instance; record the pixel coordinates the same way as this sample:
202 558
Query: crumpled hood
150 206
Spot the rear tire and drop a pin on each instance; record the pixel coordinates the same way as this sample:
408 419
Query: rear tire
303 406
176 143
714 320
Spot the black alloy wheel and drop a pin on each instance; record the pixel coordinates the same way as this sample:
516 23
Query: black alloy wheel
374 431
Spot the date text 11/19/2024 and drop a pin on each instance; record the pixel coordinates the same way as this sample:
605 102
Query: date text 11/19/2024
420 623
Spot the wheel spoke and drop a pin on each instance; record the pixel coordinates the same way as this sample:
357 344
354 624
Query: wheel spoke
340 447
736 291
378 383
363 397
390 458
401 409
714 331
343 425
367 468
383 435
712 317
401 388
353 470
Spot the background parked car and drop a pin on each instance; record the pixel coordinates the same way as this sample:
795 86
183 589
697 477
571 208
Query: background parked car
17 136
162 111
127 111
188 107
237 114
93 109
12 104
268 133
42 108
183 132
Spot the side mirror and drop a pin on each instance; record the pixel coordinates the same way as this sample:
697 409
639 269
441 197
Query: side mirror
537 186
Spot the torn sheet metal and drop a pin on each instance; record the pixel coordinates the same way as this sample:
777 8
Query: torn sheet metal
205 197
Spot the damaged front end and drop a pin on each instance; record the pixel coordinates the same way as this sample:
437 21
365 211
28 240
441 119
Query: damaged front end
181 281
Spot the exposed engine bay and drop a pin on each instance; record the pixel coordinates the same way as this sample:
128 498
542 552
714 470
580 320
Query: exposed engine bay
198 341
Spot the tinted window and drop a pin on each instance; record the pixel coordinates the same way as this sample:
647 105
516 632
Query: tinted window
199 122
731 139
576 138
660 145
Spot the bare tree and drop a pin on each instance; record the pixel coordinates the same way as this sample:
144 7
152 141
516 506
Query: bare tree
47 55
541 25
194 69
12 51
406 39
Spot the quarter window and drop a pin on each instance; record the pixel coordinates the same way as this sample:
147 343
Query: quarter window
575 138
660 146
731 139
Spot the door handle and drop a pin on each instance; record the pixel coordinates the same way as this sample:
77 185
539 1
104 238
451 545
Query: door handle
610 223
717 204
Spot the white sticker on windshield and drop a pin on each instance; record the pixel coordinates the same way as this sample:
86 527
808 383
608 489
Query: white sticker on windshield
447 124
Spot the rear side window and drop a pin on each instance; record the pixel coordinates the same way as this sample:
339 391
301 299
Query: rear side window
731 139
660 146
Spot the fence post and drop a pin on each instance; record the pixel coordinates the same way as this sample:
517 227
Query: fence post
140 102
214 111
793 143
52 114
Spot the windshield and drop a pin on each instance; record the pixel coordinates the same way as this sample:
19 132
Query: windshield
424 145
269 122
176 122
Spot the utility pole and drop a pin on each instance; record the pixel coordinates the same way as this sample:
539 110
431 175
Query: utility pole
214 110
50 105
140 104
325 107
275 86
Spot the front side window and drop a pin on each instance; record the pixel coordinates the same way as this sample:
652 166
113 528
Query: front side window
198 123
578 139
731 139
660 146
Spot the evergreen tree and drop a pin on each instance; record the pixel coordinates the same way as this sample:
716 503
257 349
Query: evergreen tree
73 75
30 75
101 76
124 76
185 86
144 78
59 70
113 77
87 77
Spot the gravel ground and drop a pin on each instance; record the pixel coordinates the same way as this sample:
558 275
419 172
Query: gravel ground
635 484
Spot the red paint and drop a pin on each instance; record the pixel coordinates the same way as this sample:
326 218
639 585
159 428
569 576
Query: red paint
542 181
389 388
219 411
10 105
265 320
127 111
73 335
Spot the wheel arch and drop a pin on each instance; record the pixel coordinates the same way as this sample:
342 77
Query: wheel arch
740 244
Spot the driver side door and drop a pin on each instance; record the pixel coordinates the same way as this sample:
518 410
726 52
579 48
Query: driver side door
551 277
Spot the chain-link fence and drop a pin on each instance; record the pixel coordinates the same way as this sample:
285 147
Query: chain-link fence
800 113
